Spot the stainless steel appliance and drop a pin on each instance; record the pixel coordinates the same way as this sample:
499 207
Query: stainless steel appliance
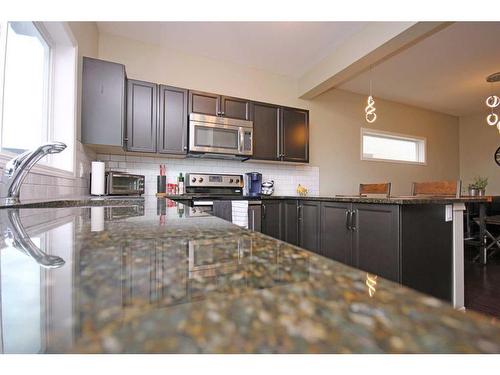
119 183
212 136
209 190
214 184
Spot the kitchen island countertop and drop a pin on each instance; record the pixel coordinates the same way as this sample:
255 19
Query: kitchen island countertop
400 200
155 279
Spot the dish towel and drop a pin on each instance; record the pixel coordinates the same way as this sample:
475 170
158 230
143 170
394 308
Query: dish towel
240 213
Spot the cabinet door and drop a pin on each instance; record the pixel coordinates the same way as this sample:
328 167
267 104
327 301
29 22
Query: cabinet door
309 225
271 218
295 135
172 134
103 102
223 209
266 125
141 116
255 217
290 222
335 234
236 108
204 103
375 242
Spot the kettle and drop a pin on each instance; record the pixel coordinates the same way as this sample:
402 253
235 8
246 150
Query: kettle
268 188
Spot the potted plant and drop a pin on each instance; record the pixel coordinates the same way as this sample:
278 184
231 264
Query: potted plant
478 186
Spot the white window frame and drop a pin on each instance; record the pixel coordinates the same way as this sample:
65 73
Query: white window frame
421 151
48 30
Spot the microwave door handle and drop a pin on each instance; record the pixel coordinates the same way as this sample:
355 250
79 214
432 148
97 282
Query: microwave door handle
241 134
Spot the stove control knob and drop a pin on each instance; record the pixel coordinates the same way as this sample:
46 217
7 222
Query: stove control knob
230 180
237 181
193 179
200 179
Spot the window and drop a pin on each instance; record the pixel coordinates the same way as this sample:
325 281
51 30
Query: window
38 92
385 146
26 88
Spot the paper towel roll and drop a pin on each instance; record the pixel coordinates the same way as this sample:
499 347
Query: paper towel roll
97 180
96 219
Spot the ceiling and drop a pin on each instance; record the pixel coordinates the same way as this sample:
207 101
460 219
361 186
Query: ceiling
285 48
445 72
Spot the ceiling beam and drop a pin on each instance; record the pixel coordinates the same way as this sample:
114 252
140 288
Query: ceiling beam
371 45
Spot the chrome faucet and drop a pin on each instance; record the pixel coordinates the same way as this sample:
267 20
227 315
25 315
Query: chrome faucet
17 169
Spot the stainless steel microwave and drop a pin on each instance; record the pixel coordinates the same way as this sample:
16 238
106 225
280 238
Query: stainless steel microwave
119 183
220 135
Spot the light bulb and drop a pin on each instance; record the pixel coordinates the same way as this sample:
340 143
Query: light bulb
493 101
492 119
370 116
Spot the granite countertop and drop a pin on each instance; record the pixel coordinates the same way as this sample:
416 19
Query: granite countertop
149 277
400 200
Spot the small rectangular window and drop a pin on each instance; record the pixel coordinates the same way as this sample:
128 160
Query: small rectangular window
385 146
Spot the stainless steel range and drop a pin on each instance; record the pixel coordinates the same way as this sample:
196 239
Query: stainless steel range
213 193
214 184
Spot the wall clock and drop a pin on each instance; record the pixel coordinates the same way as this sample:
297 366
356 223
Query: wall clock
497 156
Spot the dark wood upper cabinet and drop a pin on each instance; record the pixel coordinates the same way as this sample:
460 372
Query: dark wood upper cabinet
172 131
295 135
236 108
266 127
103 102
309 225
375 244
204 103
142 116
335 234
290 222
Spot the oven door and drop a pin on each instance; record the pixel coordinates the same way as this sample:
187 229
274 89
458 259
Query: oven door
219 138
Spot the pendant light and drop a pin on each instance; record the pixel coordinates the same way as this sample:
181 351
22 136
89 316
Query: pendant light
370 109
492 102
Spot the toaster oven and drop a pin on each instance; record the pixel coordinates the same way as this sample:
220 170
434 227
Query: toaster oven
119 183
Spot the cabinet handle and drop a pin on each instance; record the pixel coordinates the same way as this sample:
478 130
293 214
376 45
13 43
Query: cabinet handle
185 148
299 213
353 219
263 211
347 218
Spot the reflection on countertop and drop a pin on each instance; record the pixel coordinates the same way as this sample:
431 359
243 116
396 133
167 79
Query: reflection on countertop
156 278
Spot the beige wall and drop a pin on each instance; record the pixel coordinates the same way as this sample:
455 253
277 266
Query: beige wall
336 120
478 143
336 116
87 38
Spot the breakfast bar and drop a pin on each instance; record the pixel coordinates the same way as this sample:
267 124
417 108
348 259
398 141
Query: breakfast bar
138 280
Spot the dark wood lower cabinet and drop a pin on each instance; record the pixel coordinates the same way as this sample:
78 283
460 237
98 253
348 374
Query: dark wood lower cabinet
409 244
290 222
375 239
309 225
427 260
272 218
335 235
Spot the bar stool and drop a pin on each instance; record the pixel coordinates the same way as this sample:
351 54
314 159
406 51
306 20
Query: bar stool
383 188
437 188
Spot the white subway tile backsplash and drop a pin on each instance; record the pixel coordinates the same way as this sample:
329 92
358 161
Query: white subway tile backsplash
286 177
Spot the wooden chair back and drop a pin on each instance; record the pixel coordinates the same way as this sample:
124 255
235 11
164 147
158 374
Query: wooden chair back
383 188
438 188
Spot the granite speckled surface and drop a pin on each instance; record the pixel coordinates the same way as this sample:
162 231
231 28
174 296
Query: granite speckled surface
158 280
